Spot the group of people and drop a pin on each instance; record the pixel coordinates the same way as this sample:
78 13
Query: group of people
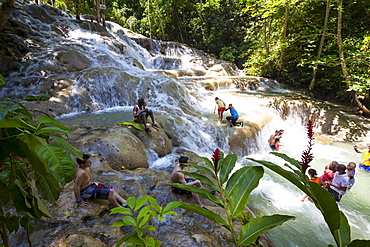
274 140
221 108
337 179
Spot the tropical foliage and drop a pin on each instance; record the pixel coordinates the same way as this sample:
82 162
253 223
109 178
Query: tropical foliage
34 164
139 216
295 173
234 190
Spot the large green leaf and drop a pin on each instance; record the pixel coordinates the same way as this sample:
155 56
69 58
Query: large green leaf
226 166
48 187
16 123
292 161
135 125
206 213
46 130
290 176
63 143
202 178
202 192
253 229
28 143
359 243
170 206
205 170
59 161
208 162
239 186
50 121
343 234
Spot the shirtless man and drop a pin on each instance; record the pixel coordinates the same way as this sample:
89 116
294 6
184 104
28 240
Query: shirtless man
178 177
141 114
221 107
272 140
85 188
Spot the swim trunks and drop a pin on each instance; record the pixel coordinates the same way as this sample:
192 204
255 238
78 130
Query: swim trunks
221 109
182 191
96 191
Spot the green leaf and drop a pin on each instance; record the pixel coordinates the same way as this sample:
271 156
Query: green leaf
149 227
204 170
47 186
206 213
144 220
120 210
140 202
59 161
208 162
4 193
202 192
239 187
142 216
16 123
47 130
130 238
118 223
63 143
135 125
359 243
226 166
170 213
28 143
290 176
292 161
343 234
251 231
149 241
128 220
53 122
170 206
202 178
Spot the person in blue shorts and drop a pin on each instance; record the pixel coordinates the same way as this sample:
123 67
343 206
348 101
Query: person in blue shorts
365 164
234 117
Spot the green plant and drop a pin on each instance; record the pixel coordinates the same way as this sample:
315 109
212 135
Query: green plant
32 168
234 190
334 218
138 216
137 126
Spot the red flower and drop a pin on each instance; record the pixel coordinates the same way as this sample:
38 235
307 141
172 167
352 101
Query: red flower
216 156
307 156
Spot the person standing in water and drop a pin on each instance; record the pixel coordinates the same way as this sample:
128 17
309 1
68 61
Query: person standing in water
221 107
365 164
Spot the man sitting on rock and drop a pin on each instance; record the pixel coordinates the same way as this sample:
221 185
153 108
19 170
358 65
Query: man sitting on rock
141 114
178 177
84 188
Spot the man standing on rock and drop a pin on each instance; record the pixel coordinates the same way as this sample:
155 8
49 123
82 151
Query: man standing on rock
141 114
178 177
85 188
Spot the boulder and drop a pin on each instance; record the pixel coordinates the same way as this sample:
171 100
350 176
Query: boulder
73 60
39 13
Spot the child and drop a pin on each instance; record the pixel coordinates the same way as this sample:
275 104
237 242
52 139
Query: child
313 178
351 173
329 171
339 185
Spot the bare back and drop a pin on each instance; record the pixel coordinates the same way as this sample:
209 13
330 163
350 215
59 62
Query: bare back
176 176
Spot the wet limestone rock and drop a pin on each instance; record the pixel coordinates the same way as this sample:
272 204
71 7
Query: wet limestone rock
73 60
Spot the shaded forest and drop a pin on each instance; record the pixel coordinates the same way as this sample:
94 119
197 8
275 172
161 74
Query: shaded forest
322 47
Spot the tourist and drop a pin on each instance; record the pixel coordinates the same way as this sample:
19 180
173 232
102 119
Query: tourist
339 185
178 177
365 164
351 173
234 116
313 178
84 188
221 107
277 140
272 140
141 114
329 171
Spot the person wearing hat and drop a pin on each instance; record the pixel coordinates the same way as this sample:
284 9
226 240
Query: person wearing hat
365 164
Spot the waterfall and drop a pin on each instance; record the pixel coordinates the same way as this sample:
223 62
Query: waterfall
117 67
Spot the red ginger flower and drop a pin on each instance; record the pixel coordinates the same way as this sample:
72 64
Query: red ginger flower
216 156
307 156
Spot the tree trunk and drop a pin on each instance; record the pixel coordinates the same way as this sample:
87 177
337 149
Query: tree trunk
284 38
4 231
365 111
77 10
160 20
324 31
150 25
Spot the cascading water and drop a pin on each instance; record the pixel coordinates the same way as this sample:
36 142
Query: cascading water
119 71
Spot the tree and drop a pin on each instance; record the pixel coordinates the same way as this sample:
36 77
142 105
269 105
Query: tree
34 164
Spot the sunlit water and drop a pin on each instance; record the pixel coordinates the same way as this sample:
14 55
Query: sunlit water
274 194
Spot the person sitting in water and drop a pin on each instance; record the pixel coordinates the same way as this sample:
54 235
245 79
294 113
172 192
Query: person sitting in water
234 116
178 177
313 178
141 114
277 140
365 164
220 106
339 185
329 171
84 188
